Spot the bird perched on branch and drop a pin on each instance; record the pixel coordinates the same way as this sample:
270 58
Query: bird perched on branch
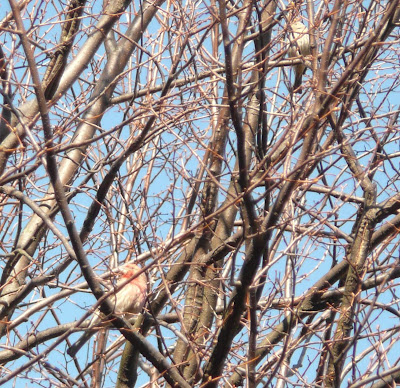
299 47
128 299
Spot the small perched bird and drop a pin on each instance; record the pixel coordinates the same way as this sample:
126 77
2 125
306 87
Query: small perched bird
129 299
299 46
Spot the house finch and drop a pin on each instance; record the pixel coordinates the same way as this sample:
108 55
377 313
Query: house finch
128 299
299 46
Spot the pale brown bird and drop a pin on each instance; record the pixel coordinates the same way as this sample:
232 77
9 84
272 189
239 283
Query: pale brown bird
299 47
129 299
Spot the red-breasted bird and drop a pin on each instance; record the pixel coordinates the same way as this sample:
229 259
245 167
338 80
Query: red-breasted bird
129 299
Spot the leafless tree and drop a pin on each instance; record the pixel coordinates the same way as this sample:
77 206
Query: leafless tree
265 216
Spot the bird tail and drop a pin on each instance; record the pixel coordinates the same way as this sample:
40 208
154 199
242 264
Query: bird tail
74 349
298 81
